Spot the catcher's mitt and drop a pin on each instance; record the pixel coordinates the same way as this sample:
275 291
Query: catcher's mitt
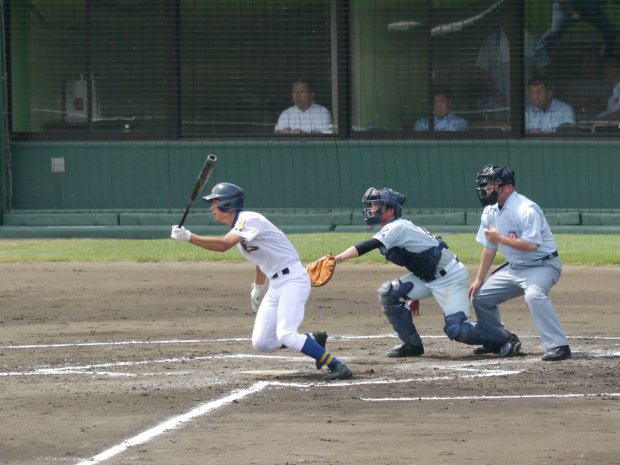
321 270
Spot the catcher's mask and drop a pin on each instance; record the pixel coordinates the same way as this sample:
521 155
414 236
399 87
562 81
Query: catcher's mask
491 173
385 196
230 196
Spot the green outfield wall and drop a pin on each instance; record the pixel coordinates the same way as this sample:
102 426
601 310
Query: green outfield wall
559 174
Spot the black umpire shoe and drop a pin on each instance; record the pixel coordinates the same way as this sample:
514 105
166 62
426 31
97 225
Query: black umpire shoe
340 371
406 350
321 339
557 354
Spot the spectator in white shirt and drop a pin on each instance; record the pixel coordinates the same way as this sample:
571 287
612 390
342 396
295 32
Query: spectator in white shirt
305 116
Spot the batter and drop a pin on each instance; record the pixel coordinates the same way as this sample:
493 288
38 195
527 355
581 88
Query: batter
434 271
279 310
518 226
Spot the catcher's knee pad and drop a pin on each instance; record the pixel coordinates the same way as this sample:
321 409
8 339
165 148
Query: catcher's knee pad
454 324
392 295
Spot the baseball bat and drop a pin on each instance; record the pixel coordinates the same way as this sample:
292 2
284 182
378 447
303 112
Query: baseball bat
205 172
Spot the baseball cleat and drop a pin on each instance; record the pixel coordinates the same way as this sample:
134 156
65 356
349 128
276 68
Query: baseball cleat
483 350
557 354
511 348
340 371
406 350
321 339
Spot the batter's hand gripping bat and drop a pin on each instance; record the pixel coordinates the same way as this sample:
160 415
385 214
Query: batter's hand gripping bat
205 172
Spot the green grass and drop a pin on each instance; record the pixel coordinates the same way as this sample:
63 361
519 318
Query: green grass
591 250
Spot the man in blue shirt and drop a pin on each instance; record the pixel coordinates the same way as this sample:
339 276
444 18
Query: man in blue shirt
516 225
546 114
444 120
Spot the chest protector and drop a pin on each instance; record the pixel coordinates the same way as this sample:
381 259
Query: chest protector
422 264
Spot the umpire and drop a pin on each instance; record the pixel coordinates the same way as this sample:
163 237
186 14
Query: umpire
518 226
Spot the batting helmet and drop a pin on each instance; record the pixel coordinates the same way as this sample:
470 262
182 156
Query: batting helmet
230 196
491 173
385 196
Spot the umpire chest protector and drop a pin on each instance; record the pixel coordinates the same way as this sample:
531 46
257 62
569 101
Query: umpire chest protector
422 264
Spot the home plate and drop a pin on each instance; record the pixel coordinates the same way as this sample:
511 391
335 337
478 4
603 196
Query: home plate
270 372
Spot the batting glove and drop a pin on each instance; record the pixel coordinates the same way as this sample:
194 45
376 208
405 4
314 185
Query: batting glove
181 234
256 296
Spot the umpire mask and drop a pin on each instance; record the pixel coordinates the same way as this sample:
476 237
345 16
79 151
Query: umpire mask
492 173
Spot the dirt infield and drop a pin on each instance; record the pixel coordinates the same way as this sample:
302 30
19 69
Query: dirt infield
151 364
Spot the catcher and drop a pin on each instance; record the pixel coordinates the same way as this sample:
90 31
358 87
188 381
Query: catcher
432 271
279 310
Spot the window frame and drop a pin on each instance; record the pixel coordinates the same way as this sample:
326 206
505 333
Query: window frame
341 89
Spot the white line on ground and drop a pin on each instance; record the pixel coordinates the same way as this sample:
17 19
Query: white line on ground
377 382
203 409
173 423
95 369
239 339
523 396
120 343
89 369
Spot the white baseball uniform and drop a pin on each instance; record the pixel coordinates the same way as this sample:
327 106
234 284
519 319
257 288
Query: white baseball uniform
281 311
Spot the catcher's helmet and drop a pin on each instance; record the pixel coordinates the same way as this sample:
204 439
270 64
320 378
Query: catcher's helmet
385 196
230 196
490 173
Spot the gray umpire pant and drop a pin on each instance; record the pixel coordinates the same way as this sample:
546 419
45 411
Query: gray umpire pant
535 281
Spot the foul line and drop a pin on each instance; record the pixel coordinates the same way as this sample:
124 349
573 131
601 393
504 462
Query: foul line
173 423
203 409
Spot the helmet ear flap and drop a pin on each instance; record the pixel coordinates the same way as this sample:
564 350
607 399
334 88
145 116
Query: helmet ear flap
393 199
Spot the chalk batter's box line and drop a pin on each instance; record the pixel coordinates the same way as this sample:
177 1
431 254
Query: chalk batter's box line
97 369
205 408
176 422
93 369
245 339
